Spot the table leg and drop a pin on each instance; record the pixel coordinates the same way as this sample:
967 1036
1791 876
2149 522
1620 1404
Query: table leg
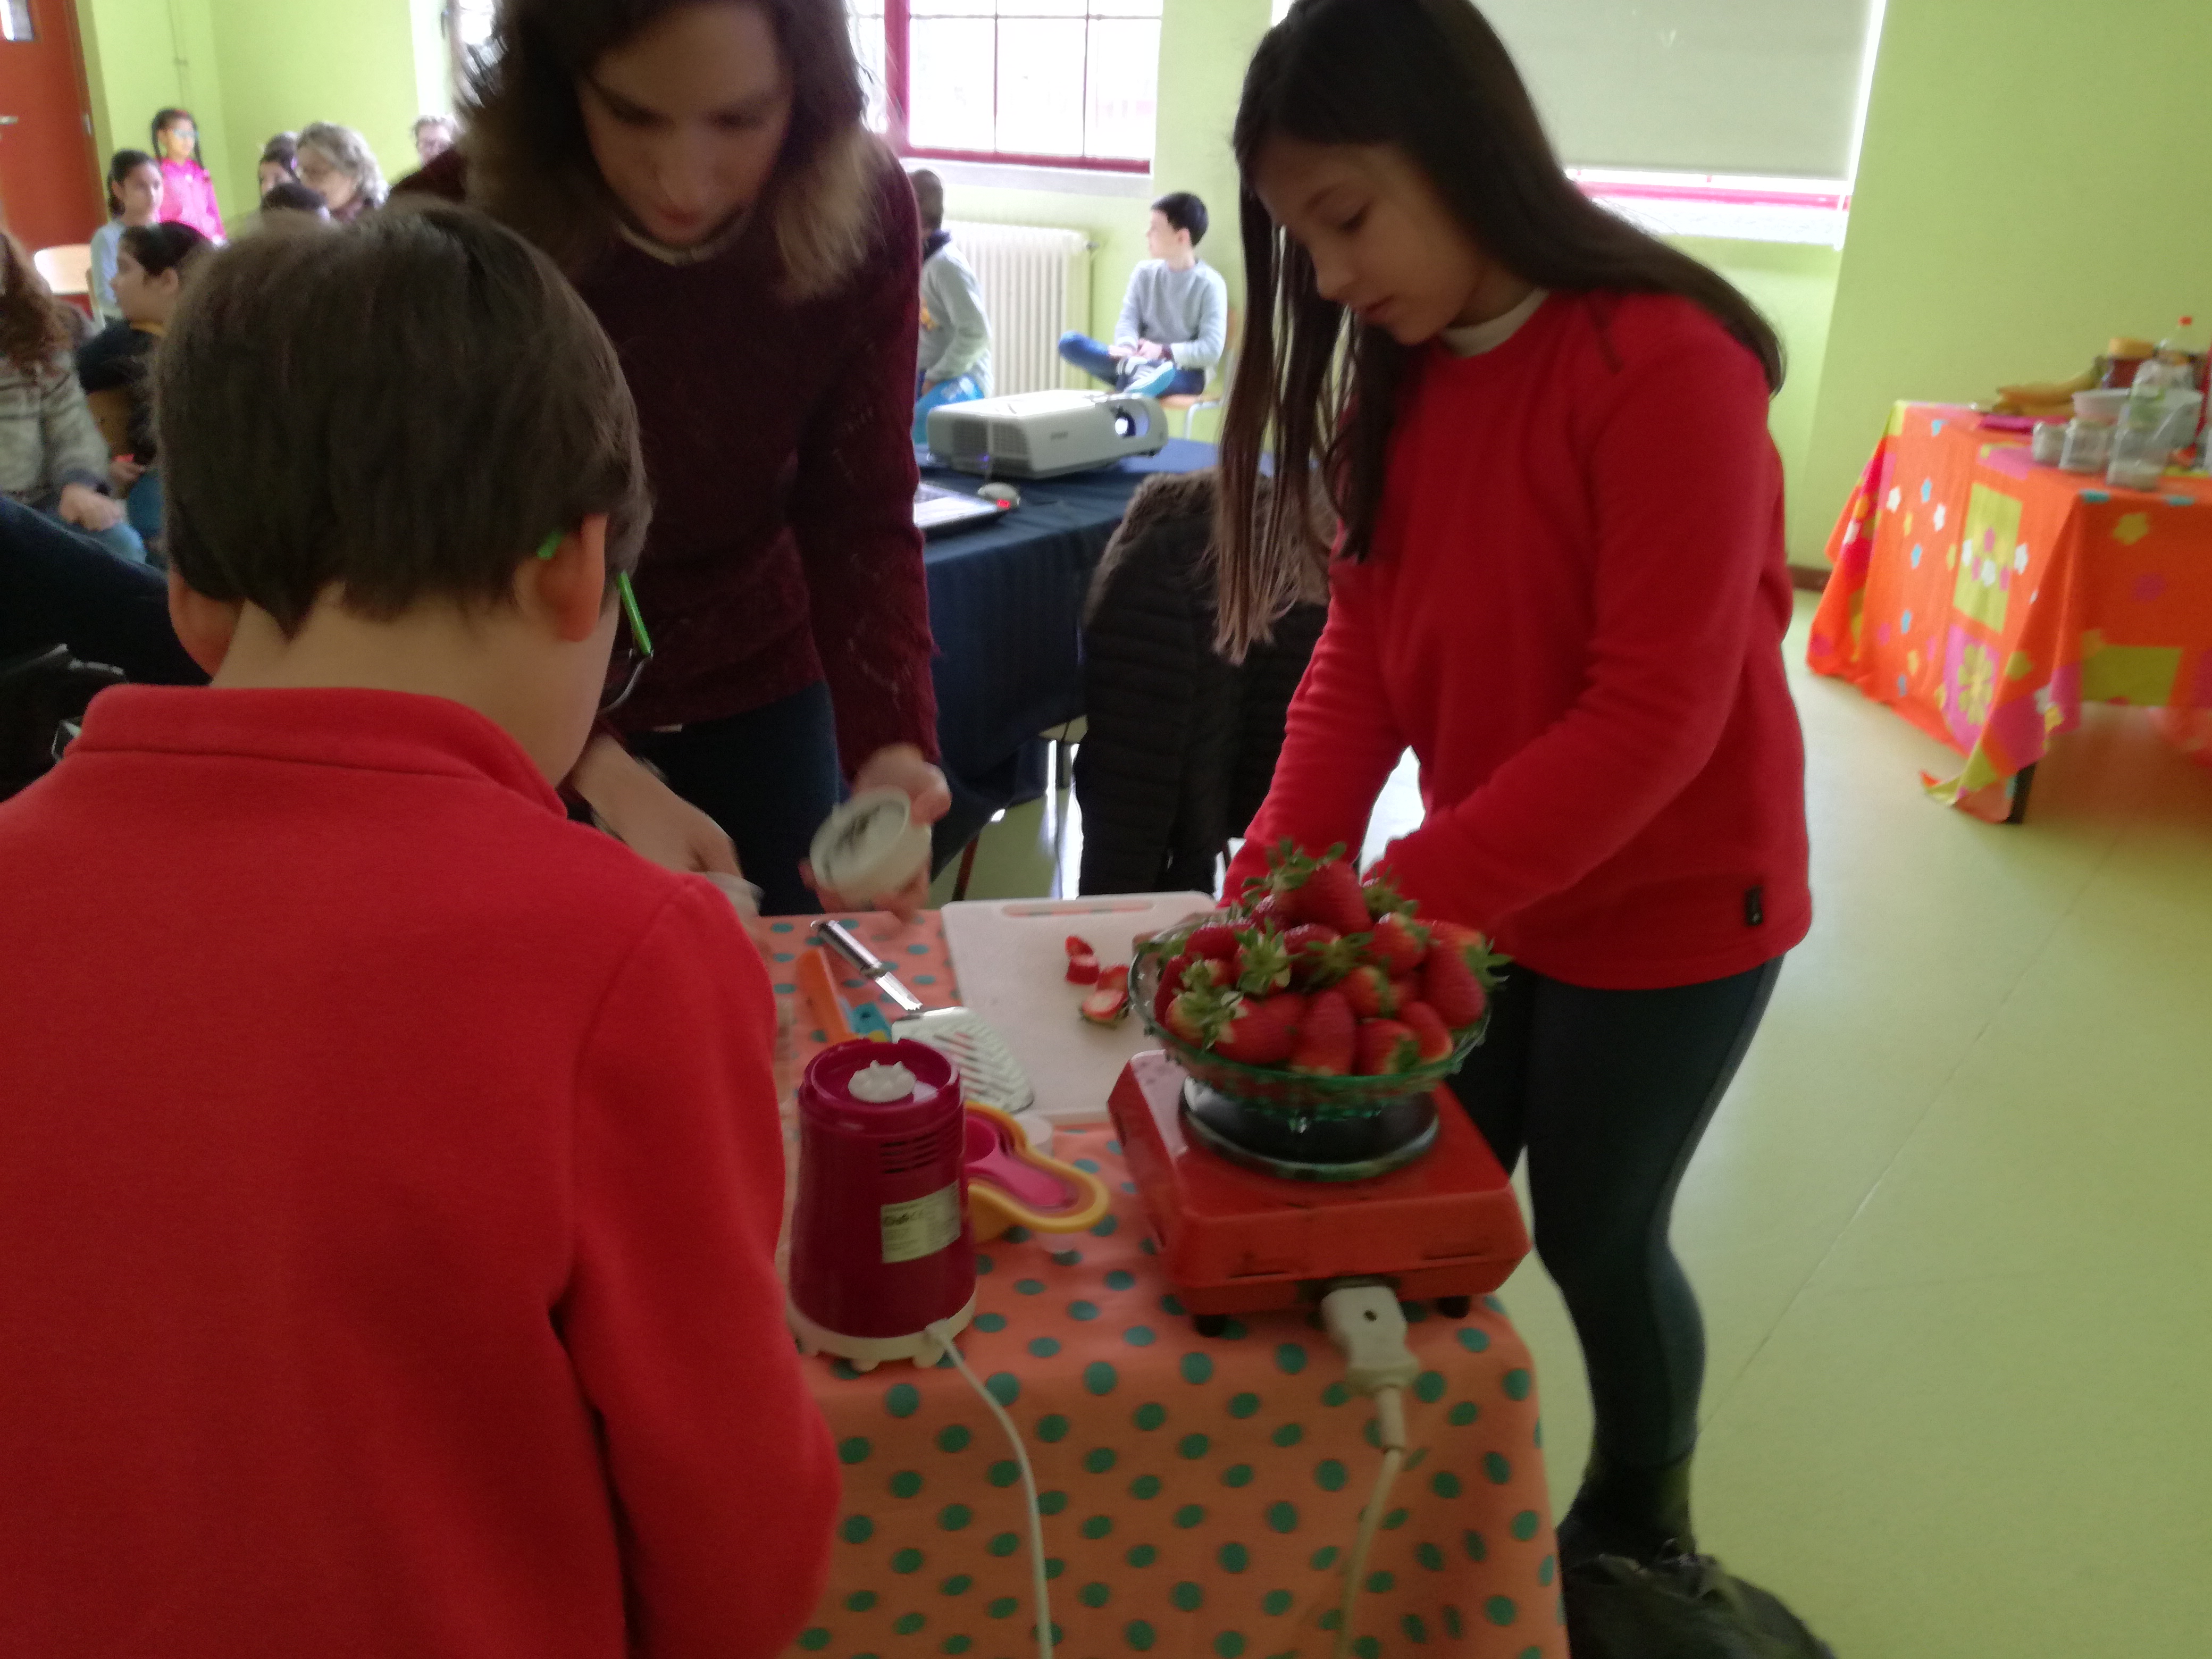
2023 781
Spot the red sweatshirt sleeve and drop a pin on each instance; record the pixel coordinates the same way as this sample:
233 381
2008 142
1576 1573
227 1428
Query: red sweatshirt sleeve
722 1469
852 506
1684 481
1341 744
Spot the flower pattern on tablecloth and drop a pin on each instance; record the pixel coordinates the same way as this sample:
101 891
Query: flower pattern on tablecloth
2129 575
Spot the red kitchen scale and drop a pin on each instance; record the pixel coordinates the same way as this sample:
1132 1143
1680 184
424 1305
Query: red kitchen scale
1257 1209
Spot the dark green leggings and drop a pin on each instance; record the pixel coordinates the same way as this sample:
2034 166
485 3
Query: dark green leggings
1608 1092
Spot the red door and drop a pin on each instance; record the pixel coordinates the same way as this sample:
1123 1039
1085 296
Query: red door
49 177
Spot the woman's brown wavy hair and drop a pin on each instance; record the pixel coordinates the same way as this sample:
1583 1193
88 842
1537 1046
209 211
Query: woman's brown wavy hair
530 166
34 327
1432 78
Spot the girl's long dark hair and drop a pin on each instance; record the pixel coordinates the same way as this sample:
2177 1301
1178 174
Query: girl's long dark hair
1432 78
34 328
530 166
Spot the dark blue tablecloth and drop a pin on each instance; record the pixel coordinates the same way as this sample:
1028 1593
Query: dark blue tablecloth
1005 603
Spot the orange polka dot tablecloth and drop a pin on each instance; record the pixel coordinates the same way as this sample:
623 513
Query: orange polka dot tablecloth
1986 598
1199 1494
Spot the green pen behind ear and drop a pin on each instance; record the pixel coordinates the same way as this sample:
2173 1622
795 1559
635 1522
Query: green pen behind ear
551 545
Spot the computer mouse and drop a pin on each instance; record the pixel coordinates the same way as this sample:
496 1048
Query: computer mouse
1005 494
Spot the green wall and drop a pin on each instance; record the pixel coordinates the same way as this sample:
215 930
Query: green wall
247 69
2033 181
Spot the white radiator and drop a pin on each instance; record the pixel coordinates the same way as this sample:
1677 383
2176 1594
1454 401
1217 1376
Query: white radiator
1036 286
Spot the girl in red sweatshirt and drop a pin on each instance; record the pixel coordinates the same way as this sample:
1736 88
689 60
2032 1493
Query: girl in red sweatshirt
1559 580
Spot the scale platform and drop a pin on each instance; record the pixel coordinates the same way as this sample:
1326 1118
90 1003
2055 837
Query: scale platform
1446 1227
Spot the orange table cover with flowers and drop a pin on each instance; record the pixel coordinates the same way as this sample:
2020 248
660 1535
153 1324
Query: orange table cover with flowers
1198 1494
1986 598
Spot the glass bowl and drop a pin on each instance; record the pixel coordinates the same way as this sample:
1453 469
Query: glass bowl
1270 1088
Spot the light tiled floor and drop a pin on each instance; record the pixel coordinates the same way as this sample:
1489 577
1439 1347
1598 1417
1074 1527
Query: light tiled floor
1953 1227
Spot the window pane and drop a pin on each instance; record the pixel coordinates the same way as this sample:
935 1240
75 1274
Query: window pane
1039 62
1123 95
868 25
1043 7
949 71
952 8
1124 8
15 21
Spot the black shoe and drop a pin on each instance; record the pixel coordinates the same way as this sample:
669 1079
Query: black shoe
1681 1607
1625 1509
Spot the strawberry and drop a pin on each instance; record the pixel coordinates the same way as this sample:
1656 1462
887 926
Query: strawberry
1373 993
1174 977
1263 965
1261 1030
1261 908
1107 1005
1115 978
1386 1048
1432 1037
1319 955
1330 893
1328 1041
1456 978
1216 939
1383 897
1079 947
1082 970
1194 1016
1397 946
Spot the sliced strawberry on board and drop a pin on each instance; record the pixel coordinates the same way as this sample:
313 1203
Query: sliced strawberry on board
1109 1004
1079 947
1082 970
1386 1048
1115 978
1327 1041
1261 1030
1432 1038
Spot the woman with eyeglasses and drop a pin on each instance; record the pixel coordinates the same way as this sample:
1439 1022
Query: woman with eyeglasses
701 170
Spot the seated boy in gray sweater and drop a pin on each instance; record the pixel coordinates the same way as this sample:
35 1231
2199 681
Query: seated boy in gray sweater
1175 319
954 363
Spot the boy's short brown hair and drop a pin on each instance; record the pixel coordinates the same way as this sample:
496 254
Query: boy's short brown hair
406 408
929 199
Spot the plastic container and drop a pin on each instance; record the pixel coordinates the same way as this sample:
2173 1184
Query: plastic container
2102 407
2088 446
870 847
2048 443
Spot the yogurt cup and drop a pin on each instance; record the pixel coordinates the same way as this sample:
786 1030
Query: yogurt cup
870 847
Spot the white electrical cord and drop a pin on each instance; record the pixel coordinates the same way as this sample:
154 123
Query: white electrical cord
943 1334
1366 1322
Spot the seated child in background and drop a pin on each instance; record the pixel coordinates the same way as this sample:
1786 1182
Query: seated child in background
134 197
955 359
52 459
391 1173
1174 325
152 264
291 205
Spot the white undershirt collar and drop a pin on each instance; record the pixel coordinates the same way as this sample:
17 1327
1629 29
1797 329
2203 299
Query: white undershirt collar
1476 338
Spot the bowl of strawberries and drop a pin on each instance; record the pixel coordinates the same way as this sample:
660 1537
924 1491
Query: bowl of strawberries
1316 994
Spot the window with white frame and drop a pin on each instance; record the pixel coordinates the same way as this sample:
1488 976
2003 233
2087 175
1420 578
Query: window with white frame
468 36
1068 83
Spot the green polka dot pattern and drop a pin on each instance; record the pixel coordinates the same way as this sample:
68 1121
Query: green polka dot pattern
1198 1492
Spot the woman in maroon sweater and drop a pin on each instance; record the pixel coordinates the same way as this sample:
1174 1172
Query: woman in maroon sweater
701 170
1560 582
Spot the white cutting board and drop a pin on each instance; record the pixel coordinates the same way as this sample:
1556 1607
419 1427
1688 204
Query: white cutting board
1009 959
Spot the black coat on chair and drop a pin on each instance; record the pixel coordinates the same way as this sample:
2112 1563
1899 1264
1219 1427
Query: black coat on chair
1181 744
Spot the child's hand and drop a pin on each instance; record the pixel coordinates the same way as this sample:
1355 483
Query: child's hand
649 817
88 509
123 472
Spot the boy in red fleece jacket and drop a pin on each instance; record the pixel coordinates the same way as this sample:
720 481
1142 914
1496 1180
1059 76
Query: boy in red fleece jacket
389 1168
